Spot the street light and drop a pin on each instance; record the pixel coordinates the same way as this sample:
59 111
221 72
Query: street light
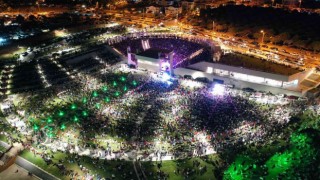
263 33
212 25
37 3
300 1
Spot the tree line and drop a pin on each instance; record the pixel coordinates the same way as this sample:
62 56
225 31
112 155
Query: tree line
300 30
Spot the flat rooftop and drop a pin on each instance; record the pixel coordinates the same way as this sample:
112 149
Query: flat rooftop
202 66
153 52
244 61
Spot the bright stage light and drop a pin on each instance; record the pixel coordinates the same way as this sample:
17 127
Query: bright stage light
169 82
218 90
165 66
166 77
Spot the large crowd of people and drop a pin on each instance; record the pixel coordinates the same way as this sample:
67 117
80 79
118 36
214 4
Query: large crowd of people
155 120
163 122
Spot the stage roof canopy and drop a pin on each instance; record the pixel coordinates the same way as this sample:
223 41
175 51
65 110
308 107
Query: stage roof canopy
153 52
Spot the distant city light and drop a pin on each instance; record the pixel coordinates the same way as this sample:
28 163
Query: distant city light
60 33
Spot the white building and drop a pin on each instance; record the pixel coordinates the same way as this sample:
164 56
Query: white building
241 77
156 60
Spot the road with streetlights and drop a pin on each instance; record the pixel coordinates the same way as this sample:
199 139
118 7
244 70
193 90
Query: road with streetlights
283 55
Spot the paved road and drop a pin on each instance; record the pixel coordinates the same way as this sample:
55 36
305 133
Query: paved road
4 144
34 169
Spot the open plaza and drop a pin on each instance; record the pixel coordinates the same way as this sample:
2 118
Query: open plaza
121 102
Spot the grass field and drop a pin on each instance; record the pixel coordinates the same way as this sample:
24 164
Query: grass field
37 160
8 55
124 169
3 138
2 149
177 169
95 167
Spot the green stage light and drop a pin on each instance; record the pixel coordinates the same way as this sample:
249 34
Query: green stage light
122 78
98 105
134 83
104 88
50 135
84 100
35 127
125 88
95 94
84 113
117 93
73 106
114 83
75 119
63 127
49 120
107 99
61 113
